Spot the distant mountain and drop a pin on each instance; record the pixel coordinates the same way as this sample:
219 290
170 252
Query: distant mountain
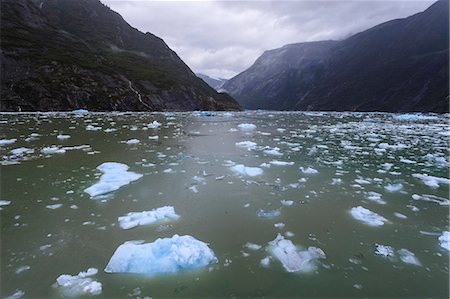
215 83
398 66
67 54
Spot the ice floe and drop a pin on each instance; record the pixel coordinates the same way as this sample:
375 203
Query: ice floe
53 150
21 151
63 137
252 246
246 127
4 202
246 144
7 141
281 163
384 250
408 257
115 175
167 255
246 170
431 181
444 240
78 285
154 125
414 117
273 151
133 219
133 141
309 170
293 259
268 214
393 187
16 295
368 217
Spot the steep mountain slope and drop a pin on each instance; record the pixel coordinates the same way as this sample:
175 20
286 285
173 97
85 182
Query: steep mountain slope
215 83
398 66
66 54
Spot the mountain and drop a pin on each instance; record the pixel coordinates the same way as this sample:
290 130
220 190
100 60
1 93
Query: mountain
67 54
398 66
215 83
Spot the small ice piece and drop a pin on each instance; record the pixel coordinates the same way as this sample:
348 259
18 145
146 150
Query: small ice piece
375 197
115 175
413 208
133 219
287 203
414 117
246 205
193 189
167 255
246 144
252 246
63 137
17 294
133 141
4 202
265 262
431 181
309 170
54 206
53 150
431 198
22 150
281 163
293 259
81 284
80 111
400 215
444 240
393 187
7 141
368 217
273 152
279 225
408 257
268 214
22 269
156 137
245 170
92 128
384 250
154 125
246 127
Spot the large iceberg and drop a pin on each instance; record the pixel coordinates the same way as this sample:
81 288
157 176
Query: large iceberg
115 175
134 219
293 259
367 216
168 255
81 284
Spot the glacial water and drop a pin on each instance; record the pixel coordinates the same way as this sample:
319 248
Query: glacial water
367 193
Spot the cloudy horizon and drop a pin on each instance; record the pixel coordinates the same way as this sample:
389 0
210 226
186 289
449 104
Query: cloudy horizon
223 38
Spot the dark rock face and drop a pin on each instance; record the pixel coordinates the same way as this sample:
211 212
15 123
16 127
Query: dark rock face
398 66
68 54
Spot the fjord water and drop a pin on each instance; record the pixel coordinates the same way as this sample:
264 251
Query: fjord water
52 227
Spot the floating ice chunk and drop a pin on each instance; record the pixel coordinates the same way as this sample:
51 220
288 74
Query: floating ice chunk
109 130
81 284
414 117
193 189
265 262
80 111
408 257
444 240
252 246
407 161
63 137
92 128
246 127
273 152
246 144
22 269
293 259
133 219
431 181
154 125
393 187
54 206
166 255
7 141
132 141
384 250
4 202
281 163
279 225
22 150
375 197
367 216
287 203
52 150
156 137
17 294
115 175
309 170
245 170
413 208
400 215
268 214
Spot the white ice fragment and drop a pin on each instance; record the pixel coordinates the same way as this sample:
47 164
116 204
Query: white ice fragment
414 117
393 187
133 219
92 128
268 214
279 225
22 150
156 137
154 125
431 181
63 137
444 240
193 189
7 141
4 202
265 262
54 206
375 197
408 257
431 198
309 170
281 163
166 255
384 250
115 175
246 127
400 215
78 285
133 141
293 259
53 150
17 294
80 111
273 152
245 170
287 203
252 246
22 269
368 217
246 144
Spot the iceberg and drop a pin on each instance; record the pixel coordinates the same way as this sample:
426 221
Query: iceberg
293 259
444 240
245 170
133 219
81 284
367 216
246 127
115 175
167 255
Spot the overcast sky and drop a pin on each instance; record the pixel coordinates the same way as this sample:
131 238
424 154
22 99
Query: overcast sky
223 38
